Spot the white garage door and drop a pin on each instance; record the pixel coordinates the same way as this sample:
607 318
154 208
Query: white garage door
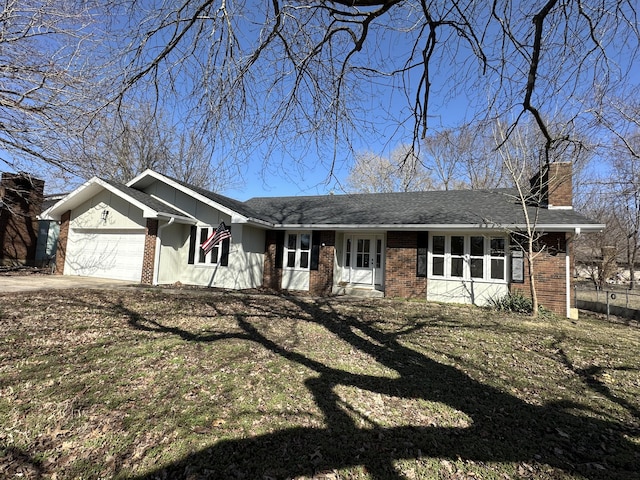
105 254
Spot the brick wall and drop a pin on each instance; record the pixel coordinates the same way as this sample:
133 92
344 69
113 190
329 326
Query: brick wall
272 276
61 251
149 258
20 203
550 275
321 280
555 185
400 267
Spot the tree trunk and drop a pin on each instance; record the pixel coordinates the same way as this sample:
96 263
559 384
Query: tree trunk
532 280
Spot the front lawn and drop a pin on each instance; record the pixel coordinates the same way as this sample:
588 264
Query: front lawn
146 384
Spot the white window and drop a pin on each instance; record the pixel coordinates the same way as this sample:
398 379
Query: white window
467 257
497 252
211 257
297 250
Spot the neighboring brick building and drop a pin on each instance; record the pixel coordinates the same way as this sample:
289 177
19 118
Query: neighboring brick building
20 203
447 246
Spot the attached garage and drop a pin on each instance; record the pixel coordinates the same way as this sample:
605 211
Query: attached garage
116 254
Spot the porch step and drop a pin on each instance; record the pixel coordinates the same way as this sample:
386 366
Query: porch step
360 292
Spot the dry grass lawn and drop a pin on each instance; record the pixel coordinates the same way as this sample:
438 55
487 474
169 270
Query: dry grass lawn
160 384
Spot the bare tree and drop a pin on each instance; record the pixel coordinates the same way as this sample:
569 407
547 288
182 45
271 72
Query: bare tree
400 172
46 85
625 201
464 157
121 144
285 74
294 76
528 160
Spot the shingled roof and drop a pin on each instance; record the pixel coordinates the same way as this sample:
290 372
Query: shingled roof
498 207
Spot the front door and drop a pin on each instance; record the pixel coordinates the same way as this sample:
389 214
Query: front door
364 260
362 269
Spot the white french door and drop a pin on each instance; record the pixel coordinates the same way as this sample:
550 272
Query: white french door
363 259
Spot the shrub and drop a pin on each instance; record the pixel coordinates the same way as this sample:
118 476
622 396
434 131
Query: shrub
512 302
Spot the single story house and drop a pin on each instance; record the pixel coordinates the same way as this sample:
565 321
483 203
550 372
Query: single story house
450 246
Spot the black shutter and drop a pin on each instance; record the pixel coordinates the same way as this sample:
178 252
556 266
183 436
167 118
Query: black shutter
421 256
192 245
224 255
315 250
279 248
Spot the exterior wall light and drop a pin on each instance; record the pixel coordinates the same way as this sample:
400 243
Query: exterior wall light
105 214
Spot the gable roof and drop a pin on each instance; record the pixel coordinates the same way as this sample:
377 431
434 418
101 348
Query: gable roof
238 210
151 208
497 208
431 210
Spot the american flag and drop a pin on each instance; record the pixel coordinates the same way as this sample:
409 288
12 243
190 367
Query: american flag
220 233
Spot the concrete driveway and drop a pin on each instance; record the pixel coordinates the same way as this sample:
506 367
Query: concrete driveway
26 283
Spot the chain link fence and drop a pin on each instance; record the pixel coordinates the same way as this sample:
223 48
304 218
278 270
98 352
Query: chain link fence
611 300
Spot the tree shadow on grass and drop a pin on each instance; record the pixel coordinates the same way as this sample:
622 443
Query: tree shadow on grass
502 428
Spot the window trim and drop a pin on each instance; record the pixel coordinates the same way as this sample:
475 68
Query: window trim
447 257
297 251
216 250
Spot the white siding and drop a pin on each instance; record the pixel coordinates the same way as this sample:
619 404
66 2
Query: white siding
246 259
465 291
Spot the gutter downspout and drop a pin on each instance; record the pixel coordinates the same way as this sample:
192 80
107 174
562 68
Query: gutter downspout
567 261
156 261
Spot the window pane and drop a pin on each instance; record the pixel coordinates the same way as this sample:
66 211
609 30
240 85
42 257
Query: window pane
305 241
457 245
348 259
438 266
204 234
477 246
438 245
214 254
456 267
291 245
477 267
359 260
378 253
497 268
366 260
497 247
304 260
291 259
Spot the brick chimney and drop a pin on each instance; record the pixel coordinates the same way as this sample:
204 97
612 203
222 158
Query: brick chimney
20 204
552 187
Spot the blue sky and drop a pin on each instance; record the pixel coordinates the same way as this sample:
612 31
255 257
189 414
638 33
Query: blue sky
300 170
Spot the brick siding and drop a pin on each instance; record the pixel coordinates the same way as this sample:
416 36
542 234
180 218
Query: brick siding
550 275
272 276
61 251
321 280
149 258
555 185
400 267
20 203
